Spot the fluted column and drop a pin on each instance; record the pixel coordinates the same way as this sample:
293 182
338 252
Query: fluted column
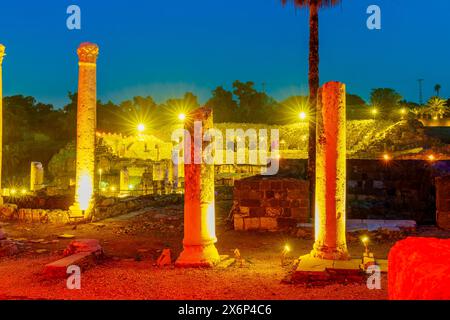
199 211
86 125
2 54
330 240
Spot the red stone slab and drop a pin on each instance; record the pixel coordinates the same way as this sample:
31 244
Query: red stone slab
58 269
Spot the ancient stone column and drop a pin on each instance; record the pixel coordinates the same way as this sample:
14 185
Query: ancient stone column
199 212
2 54
36 176
124 180
86 124
330 242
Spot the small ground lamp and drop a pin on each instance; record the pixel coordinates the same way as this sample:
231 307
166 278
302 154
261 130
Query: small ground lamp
284 253
386 157
431 158
368 258
365 241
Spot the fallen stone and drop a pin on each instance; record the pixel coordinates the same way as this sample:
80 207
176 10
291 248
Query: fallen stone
225 262
419 269
84 245
8 248
164 259
301 233
66 236
58 269
37 241
42 251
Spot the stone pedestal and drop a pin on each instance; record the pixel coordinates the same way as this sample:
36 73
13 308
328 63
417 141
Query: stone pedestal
86 124
199 211
2 54
330 242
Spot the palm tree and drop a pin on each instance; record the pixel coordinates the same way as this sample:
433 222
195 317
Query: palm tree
437 88
313 79
437 108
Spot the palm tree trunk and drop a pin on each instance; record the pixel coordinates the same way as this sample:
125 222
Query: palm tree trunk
313 79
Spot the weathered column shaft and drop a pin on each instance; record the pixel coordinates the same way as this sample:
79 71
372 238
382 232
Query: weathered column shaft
124 180
199 210
36 176
330 241
86 125
2 54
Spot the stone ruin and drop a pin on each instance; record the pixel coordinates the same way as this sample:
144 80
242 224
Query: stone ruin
269 203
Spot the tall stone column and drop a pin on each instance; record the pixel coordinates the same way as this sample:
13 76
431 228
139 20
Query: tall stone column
199 211
330 242
36 176
2 54
86 124
124 180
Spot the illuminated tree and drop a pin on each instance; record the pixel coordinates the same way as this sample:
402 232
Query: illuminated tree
437 108
313 75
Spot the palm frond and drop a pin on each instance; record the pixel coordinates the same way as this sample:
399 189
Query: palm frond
307 3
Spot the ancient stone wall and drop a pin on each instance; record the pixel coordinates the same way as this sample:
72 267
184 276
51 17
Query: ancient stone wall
393 190
270 203
104 208
443 202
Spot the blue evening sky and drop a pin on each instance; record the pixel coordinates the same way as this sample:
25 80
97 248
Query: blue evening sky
164 48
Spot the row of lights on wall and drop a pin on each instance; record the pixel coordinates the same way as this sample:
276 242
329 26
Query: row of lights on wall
141 127
387 157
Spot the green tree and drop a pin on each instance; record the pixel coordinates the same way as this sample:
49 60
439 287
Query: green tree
437 108
254 106
224 106
387 101
437 88
356 107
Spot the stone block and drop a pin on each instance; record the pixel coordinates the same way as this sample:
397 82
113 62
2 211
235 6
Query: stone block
84 245
238 222
268 223
443 219
294 194
301 214
419 269
252 223
245 211
250 203
257 212
274 211
58 269
255 195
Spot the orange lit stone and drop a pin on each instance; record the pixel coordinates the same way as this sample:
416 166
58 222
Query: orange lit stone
86 126
199 211
330 242
2 54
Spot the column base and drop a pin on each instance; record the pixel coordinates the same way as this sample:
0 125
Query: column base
77 213
198 256
330 253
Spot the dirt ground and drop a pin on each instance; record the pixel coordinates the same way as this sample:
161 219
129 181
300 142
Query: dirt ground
132 244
